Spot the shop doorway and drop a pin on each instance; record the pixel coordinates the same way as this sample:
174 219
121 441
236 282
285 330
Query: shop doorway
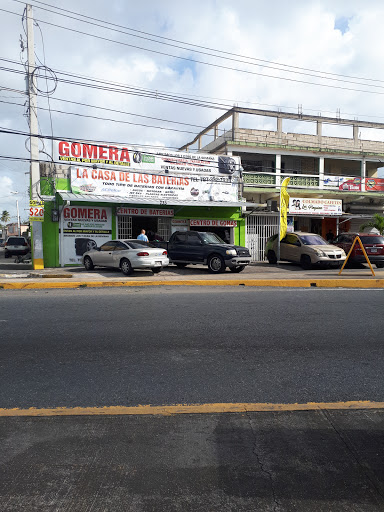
156 228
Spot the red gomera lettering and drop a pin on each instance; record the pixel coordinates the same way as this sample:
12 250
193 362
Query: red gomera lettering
63 148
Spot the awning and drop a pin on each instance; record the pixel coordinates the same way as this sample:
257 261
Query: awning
90 198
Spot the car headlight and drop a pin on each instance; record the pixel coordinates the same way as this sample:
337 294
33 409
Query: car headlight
319 252
231 252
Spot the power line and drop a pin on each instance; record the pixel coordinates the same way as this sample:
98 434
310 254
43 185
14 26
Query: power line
160 40
220 66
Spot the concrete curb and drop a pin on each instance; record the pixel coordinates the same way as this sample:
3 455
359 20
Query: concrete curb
286 283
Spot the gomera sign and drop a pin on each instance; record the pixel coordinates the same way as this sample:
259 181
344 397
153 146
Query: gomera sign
154 160
307 205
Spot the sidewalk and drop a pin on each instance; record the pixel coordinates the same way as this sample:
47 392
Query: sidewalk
22 276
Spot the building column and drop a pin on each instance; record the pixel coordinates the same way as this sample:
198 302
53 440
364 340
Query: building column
235 125
279 128
278 170
363 174
356 134
319 131
321 172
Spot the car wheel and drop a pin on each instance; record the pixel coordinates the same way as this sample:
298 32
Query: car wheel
156 270
237 269
126 267
88 263
380 264
271 257
181 265
216 264
305 262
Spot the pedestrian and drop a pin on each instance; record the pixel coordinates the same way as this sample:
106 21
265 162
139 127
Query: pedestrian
143 236
330 236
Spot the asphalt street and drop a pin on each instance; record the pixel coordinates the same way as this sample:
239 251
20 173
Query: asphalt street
181 345
130 346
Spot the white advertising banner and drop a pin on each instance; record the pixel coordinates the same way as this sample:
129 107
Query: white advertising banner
307 205
155 161
162 189
82 229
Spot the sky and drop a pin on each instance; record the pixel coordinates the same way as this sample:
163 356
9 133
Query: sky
324 57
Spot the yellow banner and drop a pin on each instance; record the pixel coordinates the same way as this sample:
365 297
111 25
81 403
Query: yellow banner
284 203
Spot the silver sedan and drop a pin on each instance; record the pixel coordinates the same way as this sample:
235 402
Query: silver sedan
126 255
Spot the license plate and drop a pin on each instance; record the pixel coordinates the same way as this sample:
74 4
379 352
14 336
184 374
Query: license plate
157 263
374 249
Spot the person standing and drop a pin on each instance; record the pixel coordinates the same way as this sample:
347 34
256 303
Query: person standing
143 236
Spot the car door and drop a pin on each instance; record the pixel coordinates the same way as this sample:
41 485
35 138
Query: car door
290 248
103 257
178 248
120 251
194 247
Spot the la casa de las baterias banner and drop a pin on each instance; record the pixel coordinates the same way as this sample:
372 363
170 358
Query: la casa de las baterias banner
153 175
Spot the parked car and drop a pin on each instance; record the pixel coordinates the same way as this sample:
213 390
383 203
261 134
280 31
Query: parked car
2 242
206 248
308 249
372 243
16 246
127 255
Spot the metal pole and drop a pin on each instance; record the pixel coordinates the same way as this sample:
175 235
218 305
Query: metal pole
18 218
37 231
278 236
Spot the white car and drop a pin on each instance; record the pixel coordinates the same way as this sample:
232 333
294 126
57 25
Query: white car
127 255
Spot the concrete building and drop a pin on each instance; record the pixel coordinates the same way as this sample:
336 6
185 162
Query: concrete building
334 185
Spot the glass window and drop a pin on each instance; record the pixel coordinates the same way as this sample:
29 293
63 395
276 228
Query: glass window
290 239
313 240
372 239
108 246
180 238
211 238
194 239
138 244
120 246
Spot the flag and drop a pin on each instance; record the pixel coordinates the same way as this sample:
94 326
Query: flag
284 202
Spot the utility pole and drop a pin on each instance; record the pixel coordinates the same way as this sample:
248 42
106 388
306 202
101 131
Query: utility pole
18 218
37 228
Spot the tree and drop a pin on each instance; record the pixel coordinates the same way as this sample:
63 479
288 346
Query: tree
377 223
5 217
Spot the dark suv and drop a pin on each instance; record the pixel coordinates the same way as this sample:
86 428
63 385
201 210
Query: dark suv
16 246
373 245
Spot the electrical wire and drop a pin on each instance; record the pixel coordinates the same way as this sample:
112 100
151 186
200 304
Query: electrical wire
190 46
220 66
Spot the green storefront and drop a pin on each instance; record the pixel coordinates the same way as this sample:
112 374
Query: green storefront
74 223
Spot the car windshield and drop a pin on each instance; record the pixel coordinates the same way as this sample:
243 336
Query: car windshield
211 238
137 244
312 240
372 239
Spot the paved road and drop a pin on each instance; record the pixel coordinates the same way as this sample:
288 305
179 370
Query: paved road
176 345
154 346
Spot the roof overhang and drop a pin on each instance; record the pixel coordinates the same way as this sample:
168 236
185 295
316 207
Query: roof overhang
91 198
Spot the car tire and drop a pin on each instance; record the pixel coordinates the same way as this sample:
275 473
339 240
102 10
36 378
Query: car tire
379 264
237 269
305 262
88 263
216 264
181 265
126 267
156 270
271 257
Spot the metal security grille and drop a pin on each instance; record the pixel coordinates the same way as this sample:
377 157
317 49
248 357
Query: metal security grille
259 229
164 227
124 226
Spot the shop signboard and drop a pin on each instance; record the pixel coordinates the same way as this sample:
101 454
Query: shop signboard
311 206
83 228
336 182
155 161
146 212
36 211
371 184
213 223
162 189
